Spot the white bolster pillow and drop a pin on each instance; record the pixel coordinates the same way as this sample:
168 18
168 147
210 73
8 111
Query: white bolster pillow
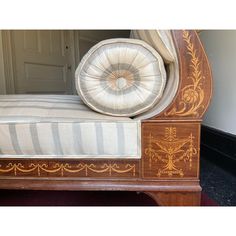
121 77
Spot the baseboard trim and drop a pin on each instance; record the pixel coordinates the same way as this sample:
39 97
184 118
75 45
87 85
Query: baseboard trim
219 147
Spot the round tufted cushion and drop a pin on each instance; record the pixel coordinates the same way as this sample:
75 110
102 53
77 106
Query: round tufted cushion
121 77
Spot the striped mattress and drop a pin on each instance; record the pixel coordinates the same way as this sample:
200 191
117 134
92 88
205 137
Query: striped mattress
63 126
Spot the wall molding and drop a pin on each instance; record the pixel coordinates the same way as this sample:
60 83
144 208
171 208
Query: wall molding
8 61
218 147
2 70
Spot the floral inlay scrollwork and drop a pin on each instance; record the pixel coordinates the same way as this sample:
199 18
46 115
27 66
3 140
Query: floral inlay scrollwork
192 95
63 168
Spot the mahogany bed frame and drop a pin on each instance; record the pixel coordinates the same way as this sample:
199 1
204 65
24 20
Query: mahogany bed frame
168 170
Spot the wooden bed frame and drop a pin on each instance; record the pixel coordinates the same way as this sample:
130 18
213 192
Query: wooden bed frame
169 168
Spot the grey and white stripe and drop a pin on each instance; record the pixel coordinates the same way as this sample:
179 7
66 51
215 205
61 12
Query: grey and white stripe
57 142
35 139
79 134
77 139
99 138
120 138
14 139
56 139
29 109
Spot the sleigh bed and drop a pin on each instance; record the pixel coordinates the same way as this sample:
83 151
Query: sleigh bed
88 141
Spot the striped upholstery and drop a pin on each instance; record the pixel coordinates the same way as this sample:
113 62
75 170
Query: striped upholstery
61 125
162 42
158 39
121 77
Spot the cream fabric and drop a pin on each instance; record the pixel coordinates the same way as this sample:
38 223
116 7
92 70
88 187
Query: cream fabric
158 39
121 77
162 41
63 126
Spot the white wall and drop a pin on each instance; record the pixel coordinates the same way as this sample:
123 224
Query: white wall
220 46
2 76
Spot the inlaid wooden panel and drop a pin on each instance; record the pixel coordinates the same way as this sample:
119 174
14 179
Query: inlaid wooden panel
195 87
170 150
69 168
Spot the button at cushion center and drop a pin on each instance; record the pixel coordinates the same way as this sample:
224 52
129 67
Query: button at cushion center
121 83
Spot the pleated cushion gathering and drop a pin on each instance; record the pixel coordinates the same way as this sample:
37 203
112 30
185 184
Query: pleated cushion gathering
121 77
